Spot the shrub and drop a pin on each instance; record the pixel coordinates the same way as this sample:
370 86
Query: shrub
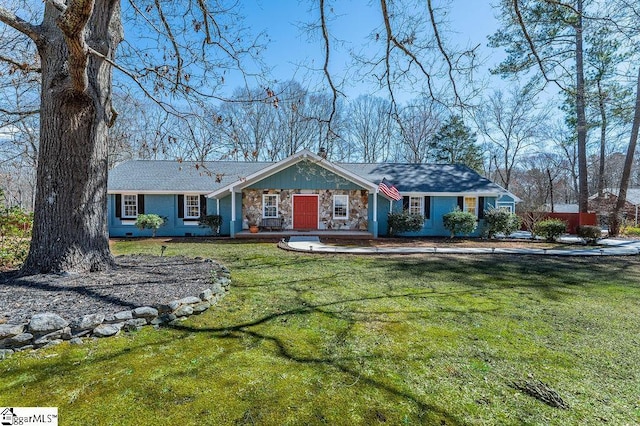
459 222
590 233
632 231
500 221
150 221
404 222
213 221
550 229
15 236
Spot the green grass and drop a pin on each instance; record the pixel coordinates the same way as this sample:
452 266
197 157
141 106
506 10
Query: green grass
309 339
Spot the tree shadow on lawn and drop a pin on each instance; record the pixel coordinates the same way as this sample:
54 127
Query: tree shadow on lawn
549 275
348 319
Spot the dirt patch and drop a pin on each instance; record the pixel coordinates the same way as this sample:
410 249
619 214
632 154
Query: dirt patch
136 281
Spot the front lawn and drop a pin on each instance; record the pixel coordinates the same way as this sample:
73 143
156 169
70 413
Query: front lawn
311 339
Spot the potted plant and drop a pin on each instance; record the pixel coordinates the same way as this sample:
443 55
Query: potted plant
253 225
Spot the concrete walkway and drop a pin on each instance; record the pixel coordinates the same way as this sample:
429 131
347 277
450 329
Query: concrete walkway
611 247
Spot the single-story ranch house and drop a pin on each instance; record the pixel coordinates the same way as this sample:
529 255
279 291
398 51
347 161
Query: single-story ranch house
303 192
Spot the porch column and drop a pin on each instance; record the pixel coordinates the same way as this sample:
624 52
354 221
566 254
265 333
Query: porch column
232 224
374 225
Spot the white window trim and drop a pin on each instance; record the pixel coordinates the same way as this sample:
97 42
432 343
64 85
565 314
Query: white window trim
505 205
421 200
264 205
123 210
186 206
464 204
346 210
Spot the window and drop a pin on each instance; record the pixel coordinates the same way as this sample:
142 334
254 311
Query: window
191 206
270 205
415 205
471 205
340 206
129 205
506 207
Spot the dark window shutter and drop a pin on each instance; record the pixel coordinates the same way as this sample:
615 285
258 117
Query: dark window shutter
140 203
203 205
181 206
118 205
405 203
427 207
480 207
461 203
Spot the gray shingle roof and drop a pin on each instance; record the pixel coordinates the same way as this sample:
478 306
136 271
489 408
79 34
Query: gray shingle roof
172 176
426 177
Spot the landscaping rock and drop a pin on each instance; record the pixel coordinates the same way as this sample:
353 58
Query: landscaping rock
145 312
76 341
119 317
190 300
87 322
4 353
169 307
48 338
46 323
206 295
106 330
134 324
217 289
10 330
184 311
199 308
17 341
166 318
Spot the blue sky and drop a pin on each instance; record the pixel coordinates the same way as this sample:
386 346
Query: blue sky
291 49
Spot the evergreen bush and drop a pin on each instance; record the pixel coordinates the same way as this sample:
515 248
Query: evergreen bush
500 221
213 221
404 222
551 229
589 233
150 221
459 222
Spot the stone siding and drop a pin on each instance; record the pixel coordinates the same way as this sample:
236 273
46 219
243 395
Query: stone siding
358 207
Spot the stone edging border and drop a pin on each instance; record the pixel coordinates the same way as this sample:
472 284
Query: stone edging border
49 329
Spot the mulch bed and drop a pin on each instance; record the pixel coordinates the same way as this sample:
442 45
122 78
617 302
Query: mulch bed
136 281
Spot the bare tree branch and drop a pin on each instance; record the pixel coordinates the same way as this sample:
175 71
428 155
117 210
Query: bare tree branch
325 67
23 66
444 53
18 24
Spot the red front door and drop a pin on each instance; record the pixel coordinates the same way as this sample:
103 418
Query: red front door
305 212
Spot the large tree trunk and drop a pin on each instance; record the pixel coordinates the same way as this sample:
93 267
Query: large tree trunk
615 220
70 216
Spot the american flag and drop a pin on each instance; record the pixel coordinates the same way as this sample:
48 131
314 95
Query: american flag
389 190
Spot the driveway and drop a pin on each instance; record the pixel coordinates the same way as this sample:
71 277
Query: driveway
608 247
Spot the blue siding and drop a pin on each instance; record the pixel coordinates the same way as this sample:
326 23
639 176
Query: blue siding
434 226
305 175
165 205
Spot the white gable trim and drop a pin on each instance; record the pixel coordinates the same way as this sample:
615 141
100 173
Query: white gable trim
286 163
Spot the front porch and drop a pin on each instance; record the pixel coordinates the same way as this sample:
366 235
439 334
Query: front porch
278 235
